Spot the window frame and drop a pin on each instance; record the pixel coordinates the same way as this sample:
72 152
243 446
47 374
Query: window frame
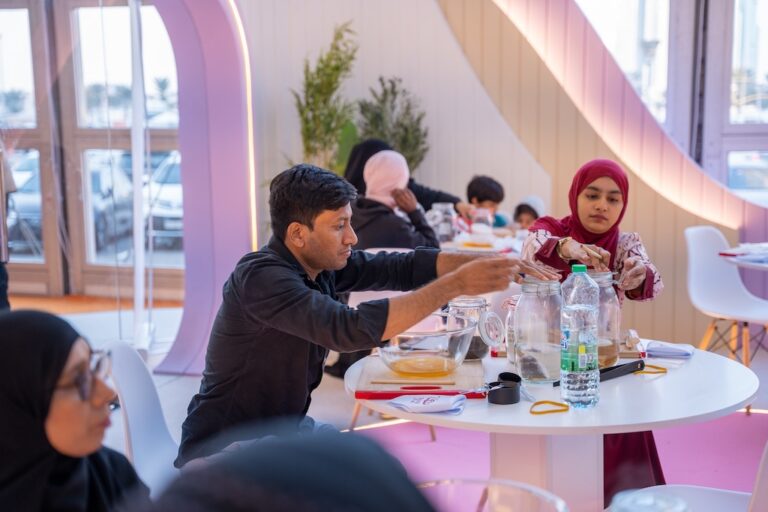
87 277
46 277
720 136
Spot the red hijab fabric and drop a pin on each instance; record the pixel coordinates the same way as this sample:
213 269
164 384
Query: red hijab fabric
571 225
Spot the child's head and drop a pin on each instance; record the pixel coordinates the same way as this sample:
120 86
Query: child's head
525 215
485 192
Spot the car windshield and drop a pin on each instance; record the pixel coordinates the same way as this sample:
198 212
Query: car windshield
31 186
170 175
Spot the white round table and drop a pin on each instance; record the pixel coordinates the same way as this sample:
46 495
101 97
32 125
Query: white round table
564 452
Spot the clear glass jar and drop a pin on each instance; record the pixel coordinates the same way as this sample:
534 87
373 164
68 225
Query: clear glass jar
537 331
481 217
509 327
608 320
442 218
490 329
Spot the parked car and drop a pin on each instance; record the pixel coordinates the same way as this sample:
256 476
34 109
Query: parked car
25 219
111 199
163 202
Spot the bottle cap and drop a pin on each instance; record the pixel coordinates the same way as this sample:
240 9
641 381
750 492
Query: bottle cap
578 268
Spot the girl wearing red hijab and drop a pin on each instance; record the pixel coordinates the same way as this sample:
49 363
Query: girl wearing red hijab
590 235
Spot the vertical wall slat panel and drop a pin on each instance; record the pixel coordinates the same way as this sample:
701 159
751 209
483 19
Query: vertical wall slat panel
529 102
492 19
565 148
574 51
510 75
594 61
556 27
473 32
547 118
632 128
664 230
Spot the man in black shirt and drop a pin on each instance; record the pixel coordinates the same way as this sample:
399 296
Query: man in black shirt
280 315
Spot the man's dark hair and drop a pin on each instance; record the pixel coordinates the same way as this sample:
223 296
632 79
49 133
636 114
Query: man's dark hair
485 188
524 208
302 192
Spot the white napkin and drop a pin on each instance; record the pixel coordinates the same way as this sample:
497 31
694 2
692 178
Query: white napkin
452 404
754 258
655 348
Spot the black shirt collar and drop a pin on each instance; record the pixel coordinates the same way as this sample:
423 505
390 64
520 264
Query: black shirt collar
278 247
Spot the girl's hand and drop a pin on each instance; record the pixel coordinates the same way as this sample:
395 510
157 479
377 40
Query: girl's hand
591 255
632 274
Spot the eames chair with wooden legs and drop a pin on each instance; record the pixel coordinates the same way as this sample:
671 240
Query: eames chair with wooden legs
716 289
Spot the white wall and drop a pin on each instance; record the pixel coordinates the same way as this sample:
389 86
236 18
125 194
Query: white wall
406 38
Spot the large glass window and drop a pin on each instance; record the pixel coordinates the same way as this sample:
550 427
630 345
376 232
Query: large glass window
749 73
25 213
17 91
636 32
108 61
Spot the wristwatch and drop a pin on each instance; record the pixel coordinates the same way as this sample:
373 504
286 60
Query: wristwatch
560 244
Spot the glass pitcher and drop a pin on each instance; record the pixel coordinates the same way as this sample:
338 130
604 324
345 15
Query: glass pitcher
537 331
608 320
490 328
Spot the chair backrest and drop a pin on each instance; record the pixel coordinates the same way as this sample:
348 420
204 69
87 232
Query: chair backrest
759 500
148 442
712 282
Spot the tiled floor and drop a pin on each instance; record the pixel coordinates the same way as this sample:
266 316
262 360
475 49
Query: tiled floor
330 402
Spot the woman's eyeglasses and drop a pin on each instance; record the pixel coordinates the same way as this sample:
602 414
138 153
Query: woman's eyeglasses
99 367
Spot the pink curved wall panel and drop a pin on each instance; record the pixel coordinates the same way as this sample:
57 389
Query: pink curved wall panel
214 149
561 35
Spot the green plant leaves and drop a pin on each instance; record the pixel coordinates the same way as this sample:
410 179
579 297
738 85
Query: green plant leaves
394 115
323 112
328 130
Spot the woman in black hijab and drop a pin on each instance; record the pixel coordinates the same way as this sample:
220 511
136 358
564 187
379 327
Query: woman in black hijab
54 406
424 195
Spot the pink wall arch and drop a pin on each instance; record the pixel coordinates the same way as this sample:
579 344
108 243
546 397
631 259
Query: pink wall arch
218 170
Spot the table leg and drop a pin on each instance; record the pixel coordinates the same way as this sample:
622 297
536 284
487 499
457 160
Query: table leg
568 466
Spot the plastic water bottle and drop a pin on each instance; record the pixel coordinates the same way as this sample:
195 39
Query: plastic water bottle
579 374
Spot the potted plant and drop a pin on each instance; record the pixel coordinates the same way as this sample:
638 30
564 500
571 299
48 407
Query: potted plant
326 117
393 115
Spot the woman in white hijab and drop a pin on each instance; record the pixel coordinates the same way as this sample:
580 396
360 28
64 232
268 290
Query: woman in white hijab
389 215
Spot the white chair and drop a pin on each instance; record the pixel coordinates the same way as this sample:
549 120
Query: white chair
706 499
716 289
148 442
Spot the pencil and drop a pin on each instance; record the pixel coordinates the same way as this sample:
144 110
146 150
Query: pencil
592 253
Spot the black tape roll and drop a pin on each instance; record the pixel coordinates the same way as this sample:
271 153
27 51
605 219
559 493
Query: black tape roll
506 390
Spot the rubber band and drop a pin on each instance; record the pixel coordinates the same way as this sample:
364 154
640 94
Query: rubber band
558 407
654 370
